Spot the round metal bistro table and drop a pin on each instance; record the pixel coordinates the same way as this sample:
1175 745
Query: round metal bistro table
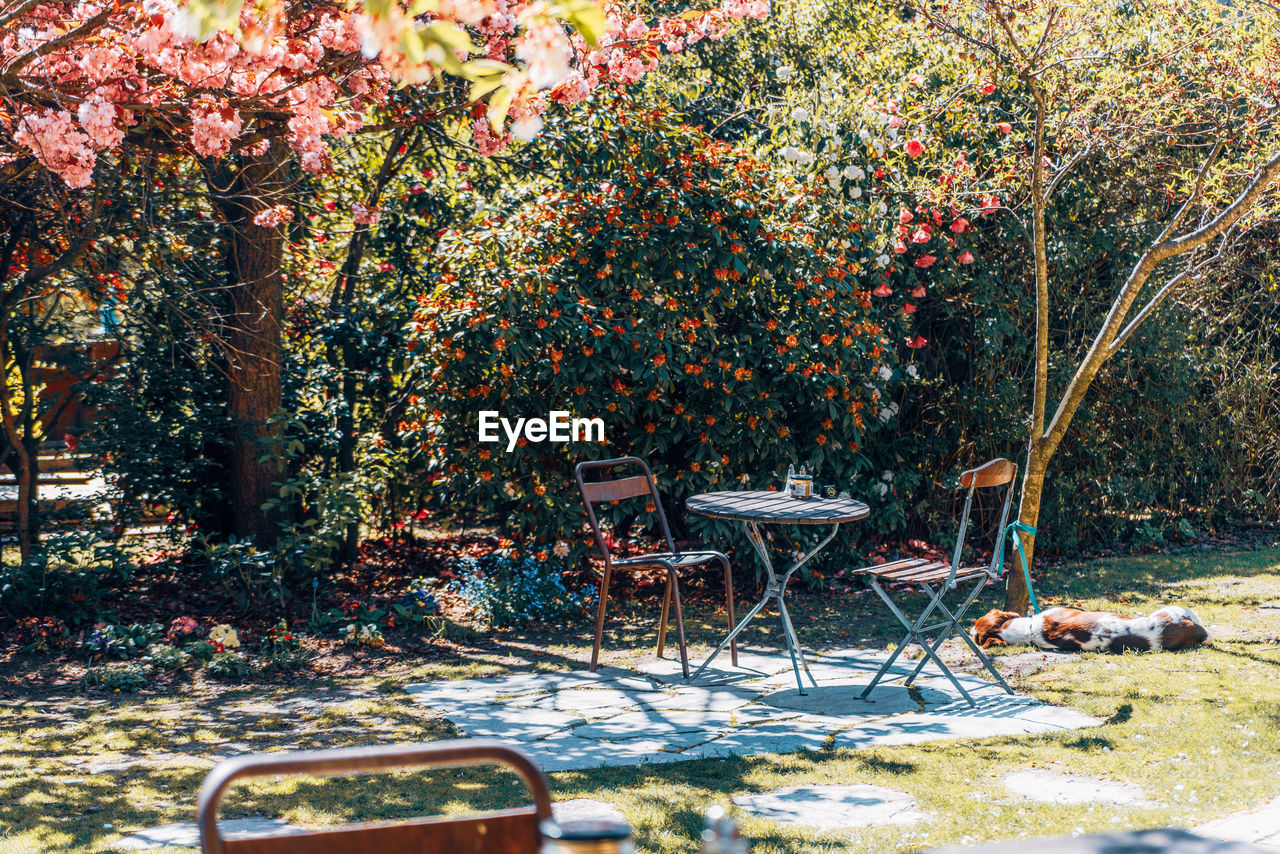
754 509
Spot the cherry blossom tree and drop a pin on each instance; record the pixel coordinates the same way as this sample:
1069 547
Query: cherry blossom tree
253 93
1178 100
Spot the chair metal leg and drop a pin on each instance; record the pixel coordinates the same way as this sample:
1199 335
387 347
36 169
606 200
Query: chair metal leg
662 623
952 627
684 650
728 604
914 636
742 624
604 597
946 671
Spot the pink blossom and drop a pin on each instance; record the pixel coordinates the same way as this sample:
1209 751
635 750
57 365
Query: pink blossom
273 216
905 216
925 260
883 291
214 124
58 145
364 215
914 147
98 118
544 49
572 89
487 141
966 258
637 29
1005 127
921 235
959 224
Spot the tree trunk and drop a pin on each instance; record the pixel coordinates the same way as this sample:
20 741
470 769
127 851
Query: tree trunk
1016 596
252 340
17 429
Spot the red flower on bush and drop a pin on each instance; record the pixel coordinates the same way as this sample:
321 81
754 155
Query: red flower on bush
926 261
914 147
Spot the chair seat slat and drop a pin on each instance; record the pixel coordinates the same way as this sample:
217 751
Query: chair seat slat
682 559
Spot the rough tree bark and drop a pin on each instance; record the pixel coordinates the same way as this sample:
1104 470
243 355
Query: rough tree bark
251 336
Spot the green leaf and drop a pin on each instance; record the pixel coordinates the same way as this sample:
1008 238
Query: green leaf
206 17
498 106
586 18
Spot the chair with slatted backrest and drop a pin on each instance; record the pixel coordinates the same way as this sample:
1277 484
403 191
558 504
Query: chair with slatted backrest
935 578
609 488
513 831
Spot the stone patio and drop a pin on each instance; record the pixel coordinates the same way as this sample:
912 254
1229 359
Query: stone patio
579 719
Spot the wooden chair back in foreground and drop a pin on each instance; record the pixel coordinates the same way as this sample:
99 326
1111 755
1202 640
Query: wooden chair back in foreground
513 831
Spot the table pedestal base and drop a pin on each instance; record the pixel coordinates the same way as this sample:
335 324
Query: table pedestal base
776 588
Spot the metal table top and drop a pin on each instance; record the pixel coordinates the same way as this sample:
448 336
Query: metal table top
777 508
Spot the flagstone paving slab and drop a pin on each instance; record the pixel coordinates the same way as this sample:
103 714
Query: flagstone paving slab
1052 787
585 809
1259 826
186 834
615 717
833 807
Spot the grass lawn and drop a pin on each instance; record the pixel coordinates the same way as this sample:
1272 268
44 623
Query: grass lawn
1196 730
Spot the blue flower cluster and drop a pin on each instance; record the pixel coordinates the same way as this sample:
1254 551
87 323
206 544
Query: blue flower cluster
419 598
506 592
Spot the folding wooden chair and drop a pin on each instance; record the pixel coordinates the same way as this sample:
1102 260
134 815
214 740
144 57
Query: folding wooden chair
513 831
611 488
935 579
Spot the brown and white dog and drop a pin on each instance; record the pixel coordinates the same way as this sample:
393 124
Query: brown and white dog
1070 630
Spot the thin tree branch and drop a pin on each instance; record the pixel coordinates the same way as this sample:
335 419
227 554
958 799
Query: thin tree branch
1193 272
1195 194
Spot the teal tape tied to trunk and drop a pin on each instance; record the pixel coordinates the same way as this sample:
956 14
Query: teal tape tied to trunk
1016 528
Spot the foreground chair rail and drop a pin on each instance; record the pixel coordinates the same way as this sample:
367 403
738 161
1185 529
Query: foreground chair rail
935 579
513 831
609 487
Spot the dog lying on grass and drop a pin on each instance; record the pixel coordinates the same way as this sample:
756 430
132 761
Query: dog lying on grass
1069 630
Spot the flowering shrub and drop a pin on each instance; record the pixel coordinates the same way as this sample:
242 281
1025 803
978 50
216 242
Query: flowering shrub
283 648
418 606
203 650
707 307
40 634
182 629
105 640
506 592
224 636
362 634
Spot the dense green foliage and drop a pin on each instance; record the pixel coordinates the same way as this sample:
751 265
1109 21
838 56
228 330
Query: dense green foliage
678 289
734 268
